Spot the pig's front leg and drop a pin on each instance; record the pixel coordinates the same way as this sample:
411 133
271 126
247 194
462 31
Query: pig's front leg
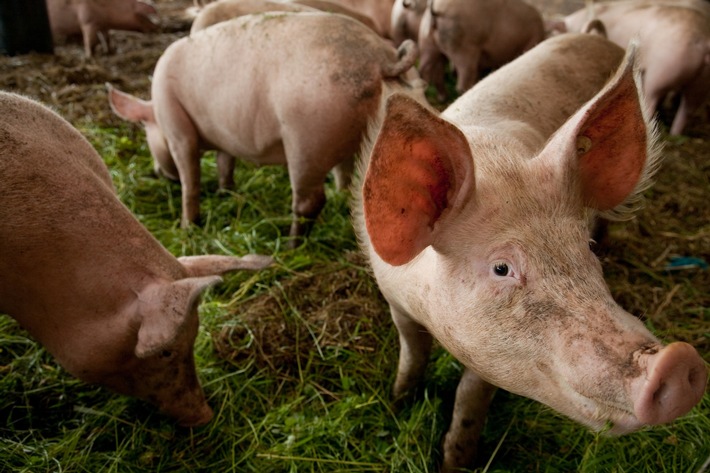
414 349
225 170
473 397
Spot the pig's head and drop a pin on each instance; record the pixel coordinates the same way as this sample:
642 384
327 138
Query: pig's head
136 110
164 322
487 246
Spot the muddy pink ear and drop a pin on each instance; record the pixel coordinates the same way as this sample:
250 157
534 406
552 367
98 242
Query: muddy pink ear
165 309
610 139
420 173
129 107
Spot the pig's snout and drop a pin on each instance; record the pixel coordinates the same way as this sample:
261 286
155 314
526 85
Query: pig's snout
675 381
201 417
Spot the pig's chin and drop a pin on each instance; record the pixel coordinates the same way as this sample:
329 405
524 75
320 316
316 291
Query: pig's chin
601 416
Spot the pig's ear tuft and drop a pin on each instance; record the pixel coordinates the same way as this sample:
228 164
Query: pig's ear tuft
164 310
420 171
206 265
129 107
615 143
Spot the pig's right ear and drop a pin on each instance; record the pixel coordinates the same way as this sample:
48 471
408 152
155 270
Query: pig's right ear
164 310
129 107
420 173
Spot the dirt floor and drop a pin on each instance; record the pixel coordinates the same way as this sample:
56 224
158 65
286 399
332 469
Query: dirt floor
675 221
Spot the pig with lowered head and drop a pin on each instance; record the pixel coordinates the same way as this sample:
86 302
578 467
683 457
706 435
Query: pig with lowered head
674 47
477 226
480 35
85 278
306 105
94 18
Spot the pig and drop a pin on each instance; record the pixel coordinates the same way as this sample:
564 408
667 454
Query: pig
223 10
333 6
92 18
378 11
405 24
476 223
480 35
405 19
305 106
674 39
85 278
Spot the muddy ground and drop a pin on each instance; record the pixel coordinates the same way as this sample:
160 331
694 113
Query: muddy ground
676 221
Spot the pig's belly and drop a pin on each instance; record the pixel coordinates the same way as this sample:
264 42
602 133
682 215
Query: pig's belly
266 154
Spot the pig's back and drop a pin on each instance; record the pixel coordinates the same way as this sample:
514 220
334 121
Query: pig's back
62 228
542 88
249 74
35 138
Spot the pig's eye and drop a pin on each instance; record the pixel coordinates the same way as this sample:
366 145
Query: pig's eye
166 354
501 269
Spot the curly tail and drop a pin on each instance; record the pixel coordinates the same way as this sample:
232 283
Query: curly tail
407 54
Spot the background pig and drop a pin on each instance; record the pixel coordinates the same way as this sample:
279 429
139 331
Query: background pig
223 10
305 106
405 24
378 11
476 225
480 35
85 278
674 42
91 18
406 19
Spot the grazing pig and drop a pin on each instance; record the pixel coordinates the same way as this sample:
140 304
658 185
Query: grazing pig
476 223
480 35
674 47
85 278
91 18
306 106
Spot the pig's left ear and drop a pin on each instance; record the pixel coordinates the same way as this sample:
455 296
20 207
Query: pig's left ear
420 174
163 311
610 141
206 265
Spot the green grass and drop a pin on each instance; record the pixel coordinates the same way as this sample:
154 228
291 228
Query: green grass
319 400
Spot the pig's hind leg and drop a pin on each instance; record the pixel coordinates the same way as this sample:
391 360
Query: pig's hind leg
182 139
308 199
225 170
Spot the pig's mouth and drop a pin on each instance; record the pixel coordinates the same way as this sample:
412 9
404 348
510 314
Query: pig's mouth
608 418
